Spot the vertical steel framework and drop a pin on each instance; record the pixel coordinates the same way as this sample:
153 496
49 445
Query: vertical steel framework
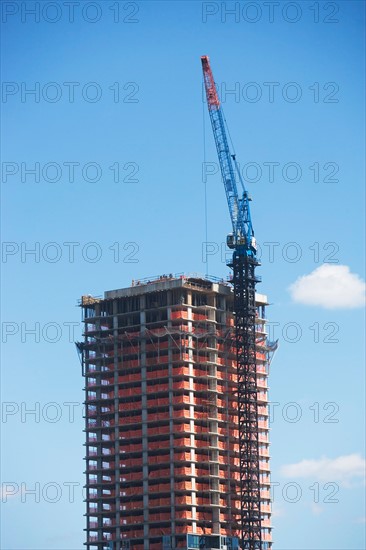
244 281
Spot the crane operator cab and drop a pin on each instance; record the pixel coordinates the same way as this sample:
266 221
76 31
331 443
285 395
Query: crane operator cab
240 241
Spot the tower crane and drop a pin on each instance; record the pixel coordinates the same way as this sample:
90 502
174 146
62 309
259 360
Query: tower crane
243 264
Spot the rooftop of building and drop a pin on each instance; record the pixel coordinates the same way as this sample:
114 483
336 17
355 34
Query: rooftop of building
196 281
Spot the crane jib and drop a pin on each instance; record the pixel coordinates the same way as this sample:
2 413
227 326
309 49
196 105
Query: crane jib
243 234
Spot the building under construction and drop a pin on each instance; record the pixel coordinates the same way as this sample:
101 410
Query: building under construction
164 453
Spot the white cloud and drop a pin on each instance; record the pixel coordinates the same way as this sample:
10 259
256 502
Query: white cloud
329 286
342 469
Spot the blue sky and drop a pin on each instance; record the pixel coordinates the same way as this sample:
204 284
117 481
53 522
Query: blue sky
151 221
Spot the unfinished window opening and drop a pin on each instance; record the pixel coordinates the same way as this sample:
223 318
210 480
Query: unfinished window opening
128 305
199 299
179 296
156 316
129 320
156 299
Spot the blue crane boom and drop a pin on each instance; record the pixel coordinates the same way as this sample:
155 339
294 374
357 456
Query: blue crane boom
242 238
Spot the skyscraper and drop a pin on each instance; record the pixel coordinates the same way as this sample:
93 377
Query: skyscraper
162 452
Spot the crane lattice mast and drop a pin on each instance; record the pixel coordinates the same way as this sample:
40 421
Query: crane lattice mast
243 264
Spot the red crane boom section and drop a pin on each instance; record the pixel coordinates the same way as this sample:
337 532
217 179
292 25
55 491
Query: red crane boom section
212 97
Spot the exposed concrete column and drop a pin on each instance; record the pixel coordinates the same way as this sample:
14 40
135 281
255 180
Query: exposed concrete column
227 422
99 436
145 467
192 342
117 458
171 422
